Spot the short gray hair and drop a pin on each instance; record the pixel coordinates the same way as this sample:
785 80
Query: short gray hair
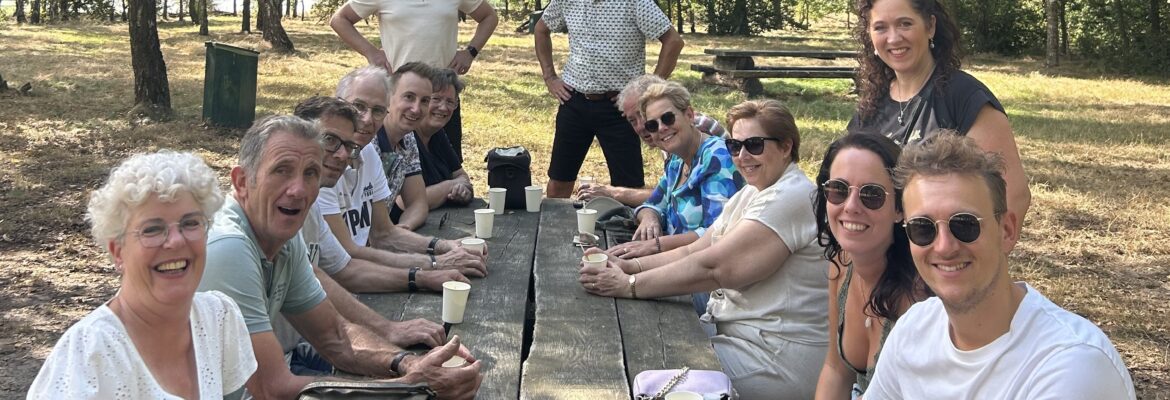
447 77
369 71
166 174
256 139
637 86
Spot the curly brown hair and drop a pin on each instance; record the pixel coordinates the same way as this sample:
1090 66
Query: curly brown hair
875 76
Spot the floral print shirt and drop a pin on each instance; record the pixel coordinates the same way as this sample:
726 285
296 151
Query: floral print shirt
694 205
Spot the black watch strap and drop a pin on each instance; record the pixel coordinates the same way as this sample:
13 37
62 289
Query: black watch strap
397 362
410 283
431 246
474 51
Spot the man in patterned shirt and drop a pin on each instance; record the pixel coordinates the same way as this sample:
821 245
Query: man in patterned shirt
606 50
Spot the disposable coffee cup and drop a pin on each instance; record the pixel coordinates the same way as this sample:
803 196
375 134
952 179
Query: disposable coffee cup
683 395
454 301
496 197
584 181
532 198
473 245
455 362
483 222
595 260
586 220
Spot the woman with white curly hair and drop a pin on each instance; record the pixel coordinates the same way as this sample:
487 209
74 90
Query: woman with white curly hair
156 338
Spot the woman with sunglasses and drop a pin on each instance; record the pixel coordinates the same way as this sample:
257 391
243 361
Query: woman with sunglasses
912 85
872 279
760 258
157 338
699 176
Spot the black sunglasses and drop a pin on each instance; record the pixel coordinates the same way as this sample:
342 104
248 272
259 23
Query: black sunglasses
754 145
963 226
333 142
667 119
873 196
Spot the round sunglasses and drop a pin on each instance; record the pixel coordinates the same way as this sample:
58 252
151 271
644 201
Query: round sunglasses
653 125
873 196
963 226
754 145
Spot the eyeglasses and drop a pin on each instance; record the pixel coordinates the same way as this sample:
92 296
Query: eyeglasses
378 112
331 143
667 119
451 103
963 226
754 145
873 196
154 233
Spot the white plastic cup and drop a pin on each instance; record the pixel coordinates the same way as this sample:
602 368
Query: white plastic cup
584 181
683 395
455 362
532 196
473 245
595 260
483 222
586 220
454 301
496 197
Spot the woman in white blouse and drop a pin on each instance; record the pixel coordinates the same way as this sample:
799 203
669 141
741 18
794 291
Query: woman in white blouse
760 259
157 338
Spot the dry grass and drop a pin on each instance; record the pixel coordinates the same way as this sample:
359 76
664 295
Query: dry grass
1095 241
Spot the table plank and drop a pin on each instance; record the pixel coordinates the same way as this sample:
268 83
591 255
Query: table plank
818 54
493 325
576 349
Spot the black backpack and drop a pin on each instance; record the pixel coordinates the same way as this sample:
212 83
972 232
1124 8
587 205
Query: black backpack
509 168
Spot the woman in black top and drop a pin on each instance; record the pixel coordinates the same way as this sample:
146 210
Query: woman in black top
912 86
442 169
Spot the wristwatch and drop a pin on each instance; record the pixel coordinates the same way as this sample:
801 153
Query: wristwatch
633 287
397 361
474 51
410 283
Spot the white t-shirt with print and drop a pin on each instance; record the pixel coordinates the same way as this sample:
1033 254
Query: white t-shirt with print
96 359
355 193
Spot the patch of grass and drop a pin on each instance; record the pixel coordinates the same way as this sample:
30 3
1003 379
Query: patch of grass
1094 242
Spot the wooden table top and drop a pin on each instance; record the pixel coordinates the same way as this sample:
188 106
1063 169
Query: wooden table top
538 334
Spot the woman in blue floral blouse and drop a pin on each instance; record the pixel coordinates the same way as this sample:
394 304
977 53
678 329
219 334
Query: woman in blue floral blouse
699 176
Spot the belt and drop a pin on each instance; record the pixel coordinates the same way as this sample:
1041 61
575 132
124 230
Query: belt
600 96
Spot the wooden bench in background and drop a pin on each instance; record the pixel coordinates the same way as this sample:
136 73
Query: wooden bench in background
738 69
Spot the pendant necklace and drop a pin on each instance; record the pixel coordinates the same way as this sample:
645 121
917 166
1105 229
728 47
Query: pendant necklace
902 110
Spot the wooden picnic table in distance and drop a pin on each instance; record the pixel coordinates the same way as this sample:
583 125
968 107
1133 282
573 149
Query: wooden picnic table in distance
538 334
737 67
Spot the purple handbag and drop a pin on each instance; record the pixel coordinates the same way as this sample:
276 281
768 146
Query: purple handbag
654 384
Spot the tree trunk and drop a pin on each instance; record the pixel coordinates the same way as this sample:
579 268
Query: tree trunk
20 12
165 10
1122 27
261 14
113 11
1154 18
691 10
246 21
1063 28
124 11
203 20
193 10
180 10
273 30
151 89
1052 47
678 9
34 15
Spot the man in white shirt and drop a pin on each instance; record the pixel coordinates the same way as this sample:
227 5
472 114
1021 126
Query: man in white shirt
357 207
983 336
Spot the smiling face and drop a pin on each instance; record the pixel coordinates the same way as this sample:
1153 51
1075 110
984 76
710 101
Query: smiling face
442 105
678 138
409 104
277 201
367 94
862 231
963 275
335 162
169 273
631 114
762 170
900 35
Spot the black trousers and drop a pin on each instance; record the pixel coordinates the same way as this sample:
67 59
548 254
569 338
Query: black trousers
454 129
578 121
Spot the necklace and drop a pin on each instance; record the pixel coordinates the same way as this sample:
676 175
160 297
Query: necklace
902 109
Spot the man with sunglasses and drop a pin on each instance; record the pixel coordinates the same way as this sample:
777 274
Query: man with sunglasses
983 337
607 48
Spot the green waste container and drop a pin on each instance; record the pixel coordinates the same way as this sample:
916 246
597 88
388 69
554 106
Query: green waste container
229 85
532 19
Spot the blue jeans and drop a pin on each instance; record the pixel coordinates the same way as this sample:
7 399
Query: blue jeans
699 300
306 361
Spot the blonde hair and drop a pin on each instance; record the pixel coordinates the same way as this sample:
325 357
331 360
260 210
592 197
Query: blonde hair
678 96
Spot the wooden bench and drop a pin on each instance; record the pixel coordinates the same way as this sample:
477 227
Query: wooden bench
537 332
738 69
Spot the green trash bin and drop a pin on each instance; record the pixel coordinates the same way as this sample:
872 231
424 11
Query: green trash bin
532 19
229 85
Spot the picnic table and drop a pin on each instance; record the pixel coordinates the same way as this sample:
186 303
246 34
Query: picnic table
537 332
738 69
